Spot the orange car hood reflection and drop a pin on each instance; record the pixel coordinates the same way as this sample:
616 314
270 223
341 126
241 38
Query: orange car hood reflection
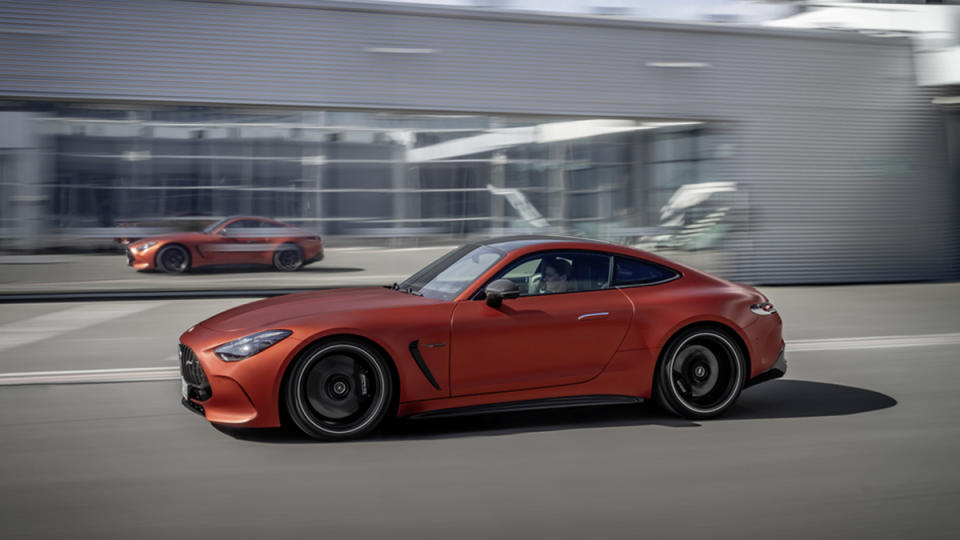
275 311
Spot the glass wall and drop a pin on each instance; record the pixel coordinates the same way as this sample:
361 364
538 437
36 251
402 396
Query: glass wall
362 174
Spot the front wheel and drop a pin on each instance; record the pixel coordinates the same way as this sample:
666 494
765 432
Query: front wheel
701 374
288 258
339 390
173 259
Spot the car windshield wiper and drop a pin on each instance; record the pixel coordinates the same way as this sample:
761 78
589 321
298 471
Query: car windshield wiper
407 289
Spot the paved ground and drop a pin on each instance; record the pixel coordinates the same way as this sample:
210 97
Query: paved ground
860 440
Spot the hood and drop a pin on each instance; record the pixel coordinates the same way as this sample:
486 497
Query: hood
273 312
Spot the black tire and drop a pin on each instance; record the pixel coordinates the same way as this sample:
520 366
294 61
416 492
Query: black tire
288 258
701 373
339 390
173 259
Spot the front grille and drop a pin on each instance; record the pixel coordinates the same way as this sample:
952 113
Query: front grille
193 375
129 257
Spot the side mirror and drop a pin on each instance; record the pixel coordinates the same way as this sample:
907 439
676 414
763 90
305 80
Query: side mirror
500 290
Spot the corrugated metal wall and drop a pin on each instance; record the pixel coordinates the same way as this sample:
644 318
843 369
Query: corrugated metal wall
842 157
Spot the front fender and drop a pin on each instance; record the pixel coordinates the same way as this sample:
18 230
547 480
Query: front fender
393 335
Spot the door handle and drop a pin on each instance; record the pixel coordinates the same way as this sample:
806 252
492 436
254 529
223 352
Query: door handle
600 315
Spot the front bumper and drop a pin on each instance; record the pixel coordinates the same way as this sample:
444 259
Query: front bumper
193 406
141 261
243 393
777 370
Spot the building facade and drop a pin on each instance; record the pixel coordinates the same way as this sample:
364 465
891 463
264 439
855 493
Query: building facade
790 156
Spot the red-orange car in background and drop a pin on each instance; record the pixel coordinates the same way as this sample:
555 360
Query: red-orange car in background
506 324
231 240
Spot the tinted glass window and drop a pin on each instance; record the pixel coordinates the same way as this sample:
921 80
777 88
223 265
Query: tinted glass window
241 228
635 272
243 224
557 272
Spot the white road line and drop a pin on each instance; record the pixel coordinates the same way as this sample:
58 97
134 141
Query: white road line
875 342
46 326
90 376
173 373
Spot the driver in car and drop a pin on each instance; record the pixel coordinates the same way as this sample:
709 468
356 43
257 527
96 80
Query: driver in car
556 273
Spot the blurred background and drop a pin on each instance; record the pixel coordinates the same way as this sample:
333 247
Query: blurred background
769 142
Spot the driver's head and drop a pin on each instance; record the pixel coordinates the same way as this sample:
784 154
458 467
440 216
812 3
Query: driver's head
556 272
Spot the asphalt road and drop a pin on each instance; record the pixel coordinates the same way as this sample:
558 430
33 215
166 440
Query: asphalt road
859 440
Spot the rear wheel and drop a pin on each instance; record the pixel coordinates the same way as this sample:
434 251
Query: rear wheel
173 259
339 390
701 374
288 258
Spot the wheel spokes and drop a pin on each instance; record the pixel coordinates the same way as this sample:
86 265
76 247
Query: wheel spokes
174 259
702 373
288 259
338 389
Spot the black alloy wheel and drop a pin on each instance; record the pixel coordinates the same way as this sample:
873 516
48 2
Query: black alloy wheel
701 374
288 258
173 259
339 390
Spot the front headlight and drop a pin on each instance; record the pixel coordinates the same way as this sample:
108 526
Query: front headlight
248 346
143 247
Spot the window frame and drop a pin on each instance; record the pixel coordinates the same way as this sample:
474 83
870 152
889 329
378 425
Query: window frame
480 293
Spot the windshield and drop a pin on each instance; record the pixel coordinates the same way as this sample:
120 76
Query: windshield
209 229
451 274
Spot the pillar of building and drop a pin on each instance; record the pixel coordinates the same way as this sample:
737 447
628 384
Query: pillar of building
24 196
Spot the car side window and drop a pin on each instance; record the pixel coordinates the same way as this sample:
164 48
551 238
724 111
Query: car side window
635 272
523 274
240 227
245 224
559 272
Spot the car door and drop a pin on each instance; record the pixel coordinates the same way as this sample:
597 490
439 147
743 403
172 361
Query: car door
543 338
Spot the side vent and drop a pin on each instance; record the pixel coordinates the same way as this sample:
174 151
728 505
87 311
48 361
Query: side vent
415 352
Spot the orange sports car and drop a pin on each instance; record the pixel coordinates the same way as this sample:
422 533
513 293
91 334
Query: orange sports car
231 240
506 324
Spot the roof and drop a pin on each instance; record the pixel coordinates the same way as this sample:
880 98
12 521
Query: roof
510 243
